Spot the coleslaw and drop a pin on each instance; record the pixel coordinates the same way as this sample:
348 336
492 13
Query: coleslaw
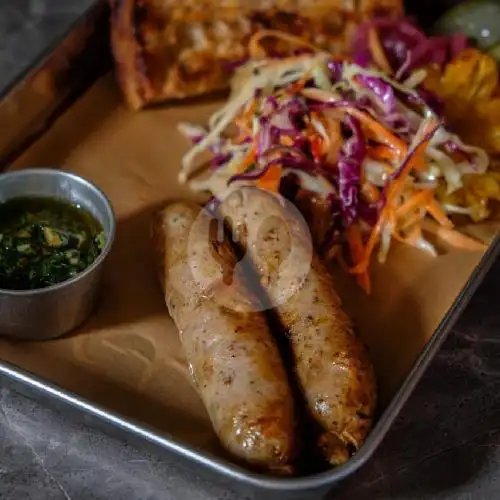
368 139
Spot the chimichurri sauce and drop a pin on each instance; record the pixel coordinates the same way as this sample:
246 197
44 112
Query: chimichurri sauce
45 241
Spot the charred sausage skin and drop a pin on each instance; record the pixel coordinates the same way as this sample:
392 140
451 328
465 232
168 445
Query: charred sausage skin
332 367
232 356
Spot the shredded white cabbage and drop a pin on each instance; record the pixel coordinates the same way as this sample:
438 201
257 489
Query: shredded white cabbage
415 79
481 158
455 209
350 71
276 74
320 76
385 242
313 183
427 246
191 131
320 128
375 172
269 77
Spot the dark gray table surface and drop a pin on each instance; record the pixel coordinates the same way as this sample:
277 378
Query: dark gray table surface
445 445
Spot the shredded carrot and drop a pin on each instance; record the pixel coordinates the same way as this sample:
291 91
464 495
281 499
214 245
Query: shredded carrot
377 51
248 160
250 109
286 140
453 237
325 143
437 212
244 133
417 200
460 240
388 214
357 251
416 159
271 179
411 238
335 140
316 142
241 138
415 218
255 48
325 147
382 152
244 119
243 122
380 133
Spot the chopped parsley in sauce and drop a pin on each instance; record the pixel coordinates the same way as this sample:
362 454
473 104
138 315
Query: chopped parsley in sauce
44 241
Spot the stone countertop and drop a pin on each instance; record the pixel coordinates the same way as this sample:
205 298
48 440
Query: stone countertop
27 27
445 445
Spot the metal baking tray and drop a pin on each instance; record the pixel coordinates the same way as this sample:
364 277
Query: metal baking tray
28 111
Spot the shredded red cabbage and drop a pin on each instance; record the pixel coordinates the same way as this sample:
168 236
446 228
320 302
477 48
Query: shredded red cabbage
431 100
305 165
421 98
292 159
369 212
284 151
398 122
393 119
270 103
335 69
381 90
197 138
352 155
410 155
279 120
457 43
219 160
285 161
268 136
406 46
252 175
194 134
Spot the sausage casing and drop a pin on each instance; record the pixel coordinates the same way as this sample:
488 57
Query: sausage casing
233 358
332 367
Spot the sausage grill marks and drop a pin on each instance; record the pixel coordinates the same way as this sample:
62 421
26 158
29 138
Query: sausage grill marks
233 357
331 365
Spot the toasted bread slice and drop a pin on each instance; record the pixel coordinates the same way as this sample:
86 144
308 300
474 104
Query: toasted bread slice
171 49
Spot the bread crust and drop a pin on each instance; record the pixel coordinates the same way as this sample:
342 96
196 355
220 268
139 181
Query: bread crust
173 49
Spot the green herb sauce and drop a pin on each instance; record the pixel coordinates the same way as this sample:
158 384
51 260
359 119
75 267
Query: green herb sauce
45 241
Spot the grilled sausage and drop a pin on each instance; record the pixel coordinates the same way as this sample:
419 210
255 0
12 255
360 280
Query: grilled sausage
234 361
331 365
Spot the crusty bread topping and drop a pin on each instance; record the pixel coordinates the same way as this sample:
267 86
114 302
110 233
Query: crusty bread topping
166 49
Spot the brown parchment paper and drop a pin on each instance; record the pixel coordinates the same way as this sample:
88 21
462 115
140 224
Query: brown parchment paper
127 356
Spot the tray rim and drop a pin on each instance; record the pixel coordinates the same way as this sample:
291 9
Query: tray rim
222 466
235 472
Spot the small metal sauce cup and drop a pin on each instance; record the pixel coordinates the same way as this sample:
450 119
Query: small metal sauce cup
50 312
